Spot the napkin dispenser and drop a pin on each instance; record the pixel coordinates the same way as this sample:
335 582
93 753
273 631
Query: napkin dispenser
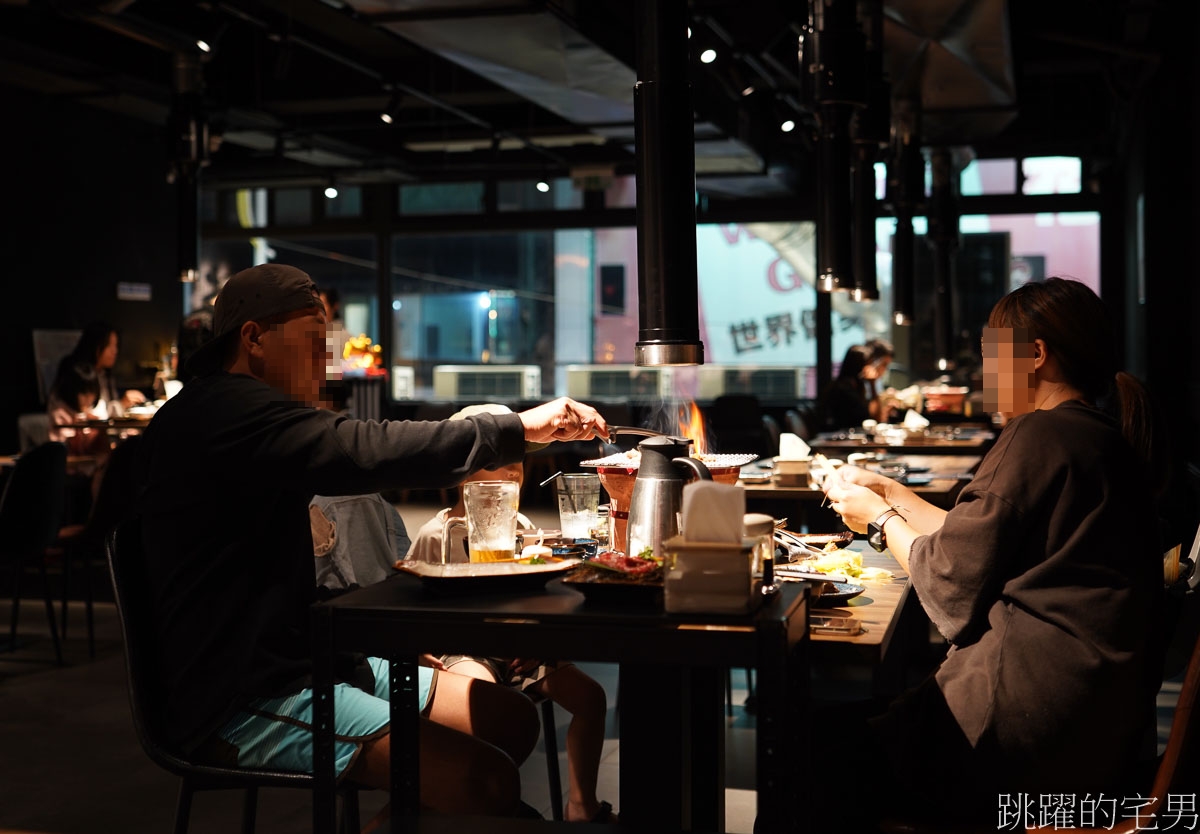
708 577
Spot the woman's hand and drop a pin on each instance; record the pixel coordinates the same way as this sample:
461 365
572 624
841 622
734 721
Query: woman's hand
563 419
857 496
132 397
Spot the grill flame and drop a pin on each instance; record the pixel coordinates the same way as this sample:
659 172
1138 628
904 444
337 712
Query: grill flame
691 426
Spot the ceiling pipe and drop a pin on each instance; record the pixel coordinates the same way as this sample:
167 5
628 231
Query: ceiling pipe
668 306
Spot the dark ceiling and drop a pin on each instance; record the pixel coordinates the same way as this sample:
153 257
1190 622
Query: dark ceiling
294 89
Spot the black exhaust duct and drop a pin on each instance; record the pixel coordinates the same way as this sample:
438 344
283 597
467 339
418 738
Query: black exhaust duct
668 305
837 69
906 194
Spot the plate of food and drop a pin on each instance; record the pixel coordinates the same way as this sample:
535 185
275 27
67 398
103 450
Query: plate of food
834 593
613 577
488 577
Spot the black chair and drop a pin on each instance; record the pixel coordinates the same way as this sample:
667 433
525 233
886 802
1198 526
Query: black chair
31 510
83 544
126 565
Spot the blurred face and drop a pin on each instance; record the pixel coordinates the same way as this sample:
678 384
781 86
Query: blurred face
108 354
1008 370
877 369
292 355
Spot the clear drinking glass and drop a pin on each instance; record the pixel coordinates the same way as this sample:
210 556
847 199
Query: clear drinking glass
491 521
578 504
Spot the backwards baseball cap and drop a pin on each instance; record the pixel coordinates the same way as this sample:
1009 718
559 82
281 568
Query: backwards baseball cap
495 408
253 294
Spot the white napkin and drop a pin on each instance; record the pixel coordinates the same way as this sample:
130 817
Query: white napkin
791 447
914 421
712 512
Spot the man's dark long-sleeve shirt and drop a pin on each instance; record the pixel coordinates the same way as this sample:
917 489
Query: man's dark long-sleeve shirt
229 467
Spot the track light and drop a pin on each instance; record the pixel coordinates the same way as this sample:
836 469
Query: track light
392 111
788 126
708 56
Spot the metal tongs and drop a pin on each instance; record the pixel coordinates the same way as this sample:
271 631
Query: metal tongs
613 431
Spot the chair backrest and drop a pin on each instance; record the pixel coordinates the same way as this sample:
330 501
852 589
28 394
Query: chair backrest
1179 769
131 592
118 492
31 507
33 430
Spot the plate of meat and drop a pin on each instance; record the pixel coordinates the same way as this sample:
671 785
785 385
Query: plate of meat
614 578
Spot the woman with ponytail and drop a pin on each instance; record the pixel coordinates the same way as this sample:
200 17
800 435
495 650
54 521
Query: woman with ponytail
1045 577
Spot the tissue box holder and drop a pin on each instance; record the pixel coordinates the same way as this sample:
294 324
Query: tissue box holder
792 472
707 577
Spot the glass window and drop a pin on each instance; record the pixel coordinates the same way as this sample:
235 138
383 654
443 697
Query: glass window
996 254
244 208
988 176
347 203
1051 175
538 195
293 206
475 299
622 193
442 198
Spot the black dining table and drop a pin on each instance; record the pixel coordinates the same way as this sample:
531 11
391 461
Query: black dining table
672 673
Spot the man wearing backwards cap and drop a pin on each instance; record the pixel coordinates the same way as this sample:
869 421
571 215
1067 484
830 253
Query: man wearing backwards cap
229 466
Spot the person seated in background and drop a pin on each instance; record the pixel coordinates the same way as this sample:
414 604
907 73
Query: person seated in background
1045 577
73 400
881 404
844 404
228 468
93 358
563 683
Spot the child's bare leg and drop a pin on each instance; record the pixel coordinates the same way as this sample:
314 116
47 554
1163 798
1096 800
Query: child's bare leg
498 715
459 773
581 696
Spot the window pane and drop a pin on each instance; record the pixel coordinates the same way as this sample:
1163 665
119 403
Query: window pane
442 198
293 206
1052 175
528 195
347 203
988 176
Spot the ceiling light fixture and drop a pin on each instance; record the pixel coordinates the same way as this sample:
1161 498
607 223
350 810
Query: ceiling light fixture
392 111
543 186
748 90
331 192
788 126
203 46
708 56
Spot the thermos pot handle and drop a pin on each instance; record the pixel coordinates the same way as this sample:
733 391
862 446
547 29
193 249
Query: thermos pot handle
698 468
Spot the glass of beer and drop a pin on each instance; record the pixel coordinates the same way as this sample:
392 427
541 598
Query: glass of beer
491 520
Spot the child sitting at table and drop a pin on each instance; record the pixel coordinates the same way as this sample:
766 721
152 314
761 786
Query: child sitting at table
563 683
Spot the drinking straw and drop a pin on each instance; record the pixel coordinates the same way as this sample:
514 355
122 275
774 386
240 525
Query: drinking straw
569 494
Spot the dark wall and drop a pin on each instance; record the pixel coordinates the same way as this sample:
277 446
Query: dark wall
88 206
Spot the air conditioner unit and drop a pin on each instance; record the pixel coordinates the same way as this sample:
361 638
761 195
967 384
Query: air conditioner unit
404 382
622 382
767 382
483 383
